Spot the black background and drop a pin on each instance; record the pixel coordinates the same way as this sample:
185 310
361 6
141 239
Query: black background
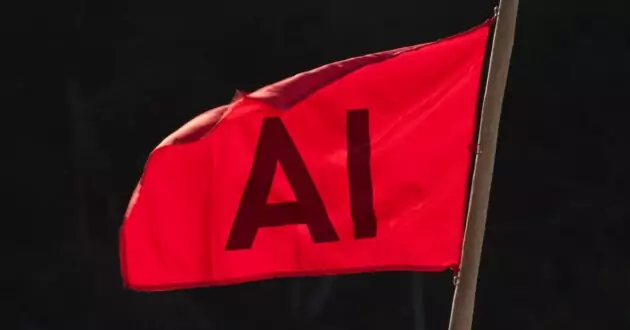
92 86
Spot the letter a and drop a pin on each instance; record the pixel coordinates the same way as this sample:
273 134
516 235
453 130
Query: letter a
275 146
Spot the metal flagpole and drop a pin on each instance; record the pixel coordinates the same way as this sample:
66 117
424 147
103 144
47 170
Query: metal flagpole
466 280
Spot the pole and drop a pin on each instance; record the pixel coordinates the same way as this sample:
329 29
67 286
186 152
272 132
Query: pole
466 281
417 301
296 298
318 299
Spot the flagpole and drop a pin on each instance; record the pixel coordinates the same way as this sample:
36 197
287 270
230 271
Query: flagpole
466 280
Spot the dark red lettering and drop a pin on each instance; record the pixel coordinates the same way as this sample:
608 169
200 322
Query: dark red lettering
360 174
275 146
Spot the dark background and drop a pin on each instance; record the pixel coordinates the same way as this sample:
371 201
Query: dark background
92 86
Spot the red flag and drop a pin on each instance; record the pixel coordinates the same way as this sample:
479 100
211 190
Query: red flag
357 166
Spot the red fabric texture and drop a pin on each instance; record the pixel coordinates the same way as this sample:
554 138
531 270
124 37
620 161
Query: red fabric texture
420 104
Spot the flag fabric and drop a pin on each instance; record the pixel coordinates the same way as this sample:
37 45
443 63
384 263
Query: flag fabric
358 166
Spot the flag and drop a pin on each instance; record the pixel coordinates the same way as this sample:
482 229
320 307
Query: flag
357 166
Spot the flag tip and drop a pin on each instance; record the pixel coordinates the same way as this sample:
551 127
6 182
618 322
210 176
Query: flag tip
238 95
